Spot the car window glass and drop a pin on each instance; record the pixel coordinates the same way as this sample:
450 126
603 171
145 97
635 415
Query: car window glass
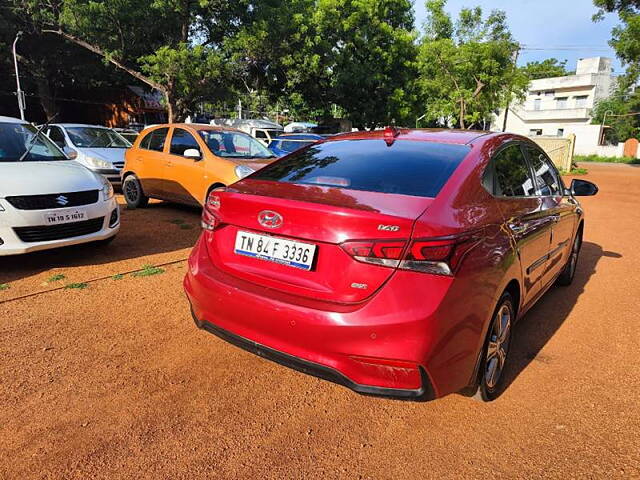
293 145
96 137
56 135
18 138
234 144
155 140
404 167
512 177
182 140
547 182
261 134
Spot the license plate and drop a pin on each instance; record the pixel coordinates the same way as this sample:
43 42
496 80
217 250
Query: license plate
274 249
64 216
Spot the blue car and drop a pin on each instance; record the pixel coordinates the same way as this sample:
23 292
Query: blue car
285 144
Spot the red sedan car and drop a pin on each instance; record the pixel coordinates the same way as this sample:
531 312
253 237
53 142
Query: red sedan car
393 262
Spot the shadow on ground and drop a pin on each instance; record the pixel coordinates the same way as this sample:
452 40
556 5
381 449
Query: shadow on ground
160 228
544 319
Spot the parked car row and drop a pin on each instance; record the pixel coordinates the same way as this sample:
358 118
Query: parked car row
393 262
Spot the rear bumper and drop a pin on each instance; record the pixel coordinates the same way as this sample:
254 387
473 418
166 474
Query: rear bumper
425 391
398 343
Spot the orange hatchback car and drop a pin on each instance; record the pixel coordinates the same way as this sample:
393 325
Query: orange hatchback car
184 162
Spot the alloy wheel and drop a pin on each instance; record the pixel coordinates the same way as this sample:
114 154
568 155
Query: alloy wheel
132 191
498 347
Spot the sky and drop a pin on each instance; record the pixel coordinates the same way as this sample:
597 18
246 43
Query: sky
562 28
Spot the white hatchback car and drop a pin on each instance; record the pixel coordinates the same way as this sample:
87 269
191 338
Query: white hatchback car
99 148
47 200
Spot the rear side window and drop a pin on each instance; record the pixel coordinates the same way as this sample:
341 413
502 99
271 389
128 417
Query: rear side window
547 181
155 139
512 176
406 167
182 140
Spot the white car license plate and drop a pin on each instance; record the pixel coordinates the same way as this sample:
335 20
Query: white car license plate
64 216
274 249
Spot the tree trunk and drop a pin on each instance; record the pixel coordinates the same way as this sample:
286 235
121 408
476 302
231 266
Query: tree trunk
172 106
47 101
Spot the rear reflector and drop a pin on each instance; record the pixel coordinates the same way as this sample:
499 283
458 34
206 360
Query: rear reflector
437 256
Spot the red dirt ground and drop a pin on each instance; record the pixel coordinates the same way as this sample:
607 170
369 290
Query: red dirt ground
115 381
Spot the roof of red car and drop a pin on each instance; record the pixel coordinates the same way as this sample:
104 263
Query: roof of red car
441 135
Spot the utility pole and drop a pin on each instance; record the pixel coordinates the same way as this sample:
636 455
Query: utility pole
19 93
506 110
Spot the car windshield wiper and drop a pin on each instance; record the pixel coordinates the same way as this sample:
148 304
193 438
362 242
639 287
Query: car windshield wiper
32 142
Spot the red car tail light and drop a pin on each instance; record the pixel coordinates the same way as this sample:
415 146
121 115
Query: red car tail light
209 219
381 252
440 257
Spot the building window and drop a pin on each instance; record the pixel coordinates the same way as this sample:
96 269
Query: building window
561 102
561 132
536 104
535 132
549 93
581 101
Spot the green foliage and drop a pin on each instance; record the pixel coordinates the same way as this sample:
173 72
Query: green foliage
148 270
599 159
357 54
77 286
574 171
188 73
620 109
548 68
4 286
466 76
56 278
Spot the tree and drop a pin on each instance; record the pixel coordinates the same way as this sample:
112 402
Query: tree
550 67
467 70
139 36
356 54
621 109
625 38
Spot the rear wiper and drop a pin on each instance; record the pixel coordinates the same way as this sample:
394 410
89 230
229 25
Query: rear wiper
32 142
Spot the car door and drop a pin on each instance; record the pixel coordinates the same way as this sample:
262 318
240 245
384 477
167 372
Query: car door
150 162
527 222
185 176
561 208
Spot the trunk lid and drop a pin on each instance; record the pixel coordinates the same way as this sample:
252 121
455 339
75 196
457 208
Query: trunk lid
319 215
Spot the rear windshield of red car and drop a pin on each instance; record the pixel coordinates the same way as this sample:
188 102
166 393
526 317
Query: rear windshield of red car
405 167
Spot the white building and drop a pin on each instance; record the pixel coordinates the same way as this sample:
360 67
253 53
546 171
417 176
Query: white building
560 106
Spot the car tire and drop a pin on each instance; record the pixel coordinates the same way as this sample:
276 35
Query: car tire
133 193
495 353
569 270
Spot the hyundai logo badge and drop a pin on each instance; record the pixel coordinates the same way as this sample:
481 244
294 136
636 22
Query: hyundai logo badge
270 219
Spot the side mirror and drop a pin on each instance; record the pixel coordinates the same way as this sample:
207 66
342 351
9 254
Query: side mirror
192 153
582 188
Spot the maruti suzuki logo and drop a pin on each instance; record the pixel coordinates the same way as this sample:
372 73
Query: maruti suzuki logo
270 219
62 200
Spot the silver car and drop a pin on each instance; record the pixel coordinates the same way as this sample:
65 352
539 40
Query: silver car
98 148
